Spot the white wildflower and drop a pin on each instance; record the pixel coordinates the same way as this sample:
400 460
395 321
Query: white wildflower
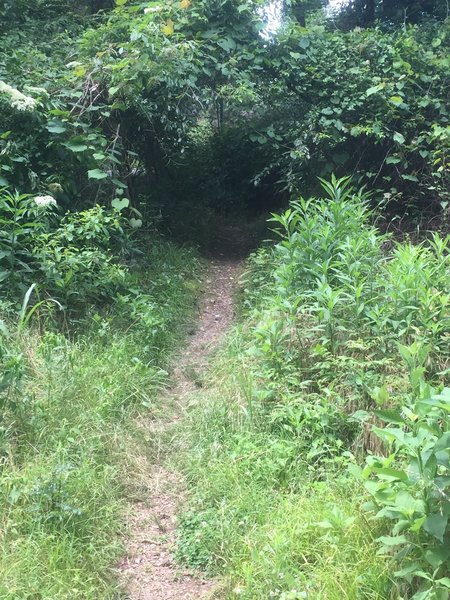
55 188
151 9
37 91
18 100
45 201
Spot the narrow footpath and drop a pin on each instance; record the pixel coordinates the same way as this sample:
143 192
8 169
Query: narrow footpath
148 571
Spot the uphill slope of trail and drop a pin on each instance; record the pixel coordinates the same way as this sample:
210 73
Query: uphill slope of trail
148 571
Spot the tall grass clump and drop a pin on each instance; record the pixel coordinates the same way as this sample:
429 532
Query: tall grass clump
71 384
344 331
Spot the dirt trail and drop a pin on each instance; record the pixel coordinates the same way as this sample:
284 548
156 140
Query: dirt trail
148 571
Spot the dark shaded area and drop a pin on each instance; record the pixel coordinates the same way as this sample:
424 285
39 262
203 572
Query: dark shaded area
365 13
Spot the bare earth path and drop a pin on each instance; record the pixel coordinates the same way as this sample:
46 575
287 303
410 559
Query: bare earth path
148 571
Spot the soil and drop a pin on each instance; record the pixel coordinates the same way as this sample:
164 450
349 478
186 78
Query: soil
148 571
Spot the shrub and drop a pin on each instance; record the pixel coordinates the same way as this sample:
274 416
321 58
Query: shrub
410 488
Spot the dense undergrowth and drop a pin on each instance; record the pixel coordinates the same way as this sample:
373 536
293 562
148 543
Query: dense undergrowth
71 383
343 330
321 447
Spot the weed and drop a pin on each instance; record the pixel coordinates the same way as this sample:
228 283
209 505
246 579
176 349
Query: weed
338 329
68 402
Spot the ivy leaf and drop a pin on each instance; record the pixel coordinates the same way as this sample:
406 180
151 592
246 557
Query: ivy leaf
136 223
119 203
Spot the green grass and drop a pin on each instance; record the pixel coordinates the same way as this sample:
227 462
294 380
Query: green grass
272 446
68 435
259 517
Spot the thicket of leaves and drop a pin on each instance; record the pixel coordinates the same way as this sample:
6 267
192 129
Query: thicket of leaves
135 103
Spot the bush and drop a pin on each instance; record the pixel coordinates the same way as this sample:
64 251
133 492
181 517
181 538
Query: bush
410 488
341 326
70 258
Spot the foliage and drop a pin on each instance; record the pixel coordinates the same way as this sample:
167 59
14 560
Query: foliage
410 487
305 103
69 257
115 115
67 406
316 360
364 14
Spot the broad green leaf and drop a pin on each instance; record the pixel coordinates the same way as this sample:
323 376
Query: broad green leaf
375 89
398 137
56 127
390 416
97 174
390 474
136 223
408 570
437 556
390 434
389 540
304 43
436 525
443 443
409 177
227 44
75 146
120 203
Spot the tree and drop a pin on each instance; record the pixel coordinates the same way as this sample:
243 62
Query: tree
299 9
364 13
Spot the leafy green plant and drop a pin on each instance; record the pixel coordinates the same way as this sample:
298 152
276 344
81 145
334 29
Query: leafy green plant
410 488
22 221
12 369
